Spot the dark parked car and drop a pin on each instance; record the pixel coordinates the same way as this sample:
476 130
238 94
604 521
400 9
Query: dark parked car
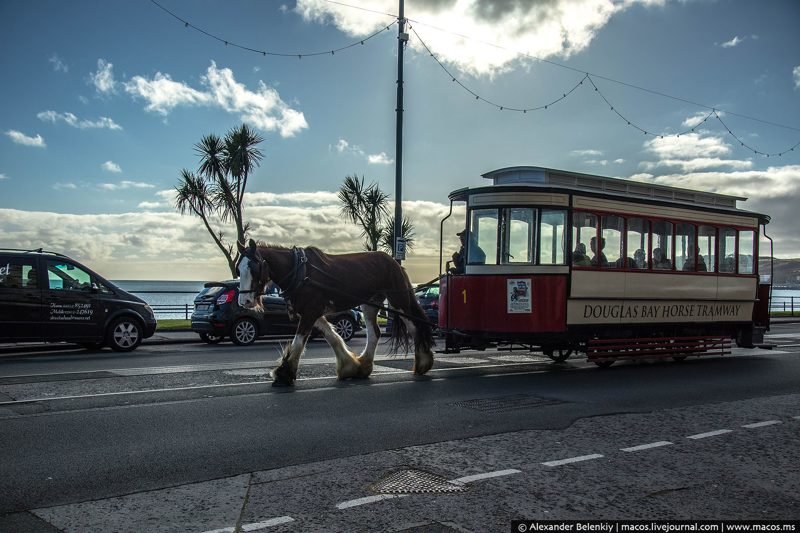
428 298
217 315
48 297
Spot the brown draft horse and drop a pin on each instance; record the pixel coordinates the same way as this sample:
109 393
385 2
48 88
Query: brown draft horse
315 284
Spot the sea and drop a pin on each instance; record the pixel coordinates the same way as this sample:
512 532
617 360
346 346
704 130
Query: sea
169 299
175 299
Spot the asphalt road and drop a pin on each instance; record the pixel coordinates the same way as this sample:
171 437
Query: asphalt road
100 441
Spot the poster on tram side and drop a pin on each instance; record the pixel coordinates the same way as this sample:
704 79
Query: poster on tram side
519 296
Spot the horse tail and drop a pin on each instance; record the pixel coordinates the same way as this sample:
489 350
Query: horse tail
403 299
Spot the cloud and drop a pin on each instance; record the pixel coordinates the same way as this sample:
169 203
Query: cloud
125 184
21 138
262 108
72 120
110 166
343 146
547 28
586 153
64 186
58 65
697 119
736 41
103 78
796 76
3 177
379 159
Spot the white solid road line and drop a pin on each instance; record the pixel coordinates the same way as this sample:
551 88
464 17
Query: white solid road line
710 434
647 446
762 424
255 526
573 460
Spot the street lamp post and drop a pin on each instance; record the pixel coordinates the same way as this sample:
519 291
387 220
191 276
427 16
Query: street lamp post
402 39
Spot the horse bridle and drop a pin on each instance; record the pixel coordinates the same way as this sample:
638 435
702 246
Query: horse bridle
253 261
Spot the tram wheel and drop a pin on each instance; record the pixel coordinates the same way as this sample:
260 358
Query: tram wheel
604 364
560 355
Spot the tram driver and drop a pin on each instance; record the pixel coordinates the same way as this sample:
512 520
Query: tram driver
460 258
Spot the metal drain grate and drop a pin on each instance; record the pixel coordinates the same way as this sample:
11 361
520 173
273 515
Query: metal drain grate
506 403
411 481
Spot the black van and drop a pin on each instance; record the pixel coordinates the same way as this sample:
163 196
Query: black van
48 297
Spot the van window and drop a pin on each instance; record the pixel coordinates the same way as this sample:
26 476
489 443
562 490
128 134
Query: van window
66 276
18 273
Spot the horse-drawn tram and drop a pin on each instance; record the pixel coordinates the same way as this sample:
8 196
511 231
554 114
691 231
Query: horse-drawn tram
613 268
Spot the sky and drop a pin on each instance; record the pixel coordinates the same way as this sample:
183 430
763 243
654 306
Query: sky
102 103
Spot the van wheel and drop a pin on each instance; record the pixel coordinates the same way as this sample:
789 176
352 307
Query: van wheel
345 327
244 332
124 334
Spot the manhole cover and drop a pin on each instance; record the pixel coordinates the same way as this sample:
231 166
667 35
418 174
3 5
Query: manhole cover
506 403
411 481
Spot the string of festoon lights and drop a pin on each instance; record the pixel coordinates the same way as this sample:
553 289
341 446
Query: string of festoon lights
587 77
265 53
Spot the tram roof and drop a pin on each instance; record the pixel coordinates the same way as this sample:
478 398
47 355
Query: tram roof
540 177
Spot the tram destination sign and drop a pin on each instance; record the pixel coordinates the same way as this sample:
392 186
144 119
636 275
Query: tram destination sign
644 311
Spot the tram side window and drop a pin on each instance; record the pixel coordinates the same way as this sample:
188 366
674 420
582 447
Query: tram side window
727 250
636 242
584 229
662 245
685 247
746 252
552 237
519 235
482 246
706 246
609 254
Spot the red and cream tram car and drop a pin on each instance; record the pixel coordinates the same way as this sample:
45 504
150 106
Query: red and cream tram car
610 267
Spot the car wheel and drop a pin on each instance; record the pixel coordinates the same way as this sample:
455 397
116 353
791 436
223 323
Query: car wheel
345 327
244 331
210 338
124 334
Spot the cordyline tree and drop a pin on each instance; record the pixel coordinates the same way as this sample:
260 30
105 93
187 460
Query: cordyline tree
216 192
368 207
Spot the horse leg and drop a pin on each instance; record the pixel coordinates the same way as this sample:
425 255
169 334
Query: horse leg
286 373
373 336
347 363
423 359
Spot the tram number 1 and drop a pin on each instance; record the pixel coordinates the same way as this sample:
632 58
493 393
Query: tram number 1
464 294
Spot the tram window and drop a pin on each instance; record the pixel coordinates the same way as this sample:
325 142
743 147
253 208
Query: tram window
706 245
584 228
662 245
685 247
727 250
636 242
746 252
551 237
482 249
610 253
519 235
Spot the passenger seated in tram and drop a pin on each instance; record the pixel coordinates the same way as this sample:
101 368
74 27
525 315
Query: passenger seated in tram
639 259
689 265
579 257
476 254
659 261
599 258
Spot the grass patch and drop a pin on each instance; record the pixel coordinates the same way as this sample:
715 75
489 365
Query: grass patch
173 324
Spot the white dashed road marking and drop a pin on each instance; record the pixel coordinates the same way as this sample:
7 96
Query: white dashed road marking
762 424
710 434
573 460
486 475
367 499
647 446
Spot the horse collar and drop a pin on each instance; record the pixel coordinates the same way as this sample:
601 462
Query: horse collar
297 275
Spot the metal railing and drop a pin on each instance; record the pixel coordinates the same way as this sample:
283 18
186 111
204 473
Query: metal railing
170 310
785 304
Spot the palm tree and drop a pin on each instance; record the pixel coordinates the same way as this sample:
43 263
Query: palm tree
368 206
216 192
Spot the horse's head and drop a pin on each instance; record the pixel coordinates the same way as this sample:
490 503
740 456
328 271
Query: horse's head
253 275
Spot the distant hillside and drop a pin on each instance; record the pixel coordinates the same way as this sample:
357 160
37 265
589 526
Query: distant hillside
786 271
